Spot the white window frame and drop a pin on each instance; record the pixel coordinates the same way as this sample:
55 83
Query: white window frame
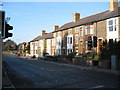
81 31
111 25
114 34
90 28
69 43
76 30
114 25
70 31
76 39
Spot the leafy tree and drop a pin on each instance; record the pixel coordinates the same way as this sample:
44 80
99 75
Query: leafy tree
110 49
10 45
27 48
8 48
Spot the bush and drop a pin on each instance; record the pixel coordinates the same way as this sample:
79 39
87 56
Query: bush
71 55
110 49
89 58
96 58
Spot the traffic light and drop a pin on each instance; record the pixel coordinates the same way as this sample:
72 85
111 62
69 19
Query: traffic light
89 43
4 26
2 23
7 28
94 41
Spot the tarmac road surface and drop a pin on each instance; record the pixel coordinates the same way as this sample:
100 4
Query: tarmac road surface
29 73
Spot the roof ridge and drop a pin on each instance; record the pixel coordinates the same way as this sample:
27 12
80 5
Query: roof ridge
94 14
67 23
85 17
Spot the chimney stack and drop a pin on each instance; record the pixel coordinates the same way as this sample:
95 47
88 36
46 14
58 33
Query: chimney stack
113 4
43 32
56 27
76 17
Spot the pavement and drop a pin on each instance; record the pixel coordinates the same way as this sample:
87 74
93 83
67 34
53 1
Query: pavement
6 84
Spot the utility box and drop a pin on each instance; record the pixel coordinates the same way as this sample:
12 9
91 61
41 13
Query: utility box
114 62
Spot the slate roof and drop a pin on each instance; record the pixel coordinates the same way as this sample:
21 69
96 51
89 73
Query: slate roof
46 36
90 19
87 20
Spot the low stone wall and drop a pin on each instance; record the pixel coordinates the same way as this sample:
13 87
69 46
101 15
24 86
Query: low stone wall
105 64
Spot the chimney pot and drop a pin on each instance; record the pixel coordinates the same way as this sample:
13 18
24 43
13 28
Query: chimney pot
76 17
113 4
43 32
56 27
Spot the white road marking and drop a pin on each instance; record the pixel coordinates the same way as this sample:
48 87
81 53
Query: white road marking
100 86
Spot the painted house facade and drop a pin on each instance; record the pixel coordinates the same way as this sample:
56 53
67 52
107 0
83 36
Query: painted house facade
41 44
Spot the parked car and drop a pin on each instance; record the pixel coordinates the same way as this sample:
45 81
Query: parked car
17 54
51 58
33 56
41 57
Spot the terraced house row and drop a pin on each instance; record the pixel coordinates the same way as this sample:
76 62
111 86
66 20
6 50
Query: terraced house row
73 36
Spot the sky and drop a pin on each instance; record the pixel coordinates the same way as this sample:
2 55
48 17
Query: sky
30 18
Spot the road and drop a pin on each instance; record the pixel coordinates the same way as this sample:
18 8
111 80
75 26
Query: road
28 73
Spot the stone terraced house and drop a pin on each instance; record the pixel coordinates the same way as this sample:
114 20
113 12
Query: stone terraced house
73 36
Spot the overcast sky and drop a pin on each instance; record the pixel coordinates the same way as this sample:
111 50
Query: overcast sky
29 18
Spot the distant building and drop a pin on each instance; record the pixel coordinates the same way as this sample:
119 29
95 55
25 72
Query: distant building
23 48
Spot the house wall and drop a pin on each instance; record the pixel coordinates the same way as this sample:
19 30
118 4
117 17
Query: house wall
48 46
52 47
70 41
39 51
54 44
59 43
64 42
100 32
115 33
32 48
36 48
41 46
75 46
81 40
